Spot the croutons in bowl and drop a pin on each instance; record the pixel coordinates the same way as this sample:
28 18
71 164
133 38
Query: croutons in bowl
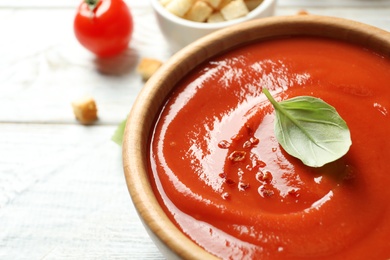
184 21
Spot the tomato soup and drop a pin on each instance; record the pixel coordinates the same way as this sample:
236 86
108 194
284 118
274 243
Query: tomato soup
221 176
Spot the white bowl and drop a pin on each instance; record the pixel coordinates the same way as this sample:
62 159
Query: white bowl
180 32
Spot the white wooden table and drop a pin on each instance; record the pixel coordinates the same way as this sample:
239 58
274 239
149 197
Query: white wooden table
62 188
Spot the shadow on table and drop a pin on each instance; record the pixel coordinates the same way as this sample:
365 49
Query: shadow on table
121 64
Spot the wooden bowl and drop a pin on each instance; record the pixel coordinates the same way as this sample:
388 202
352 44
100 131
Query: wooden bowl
172 242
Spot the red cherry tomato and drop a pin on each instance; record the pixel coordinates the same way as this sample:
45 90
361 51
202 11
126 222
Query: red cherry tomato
103 26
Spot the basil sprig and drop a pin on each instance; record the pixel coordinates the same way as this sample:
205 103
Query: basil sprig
310 129
117 137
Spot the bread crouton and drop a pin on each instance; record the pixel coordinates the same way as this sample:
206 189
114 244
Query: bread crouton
85 110
199 12
164 2
252 4
213 3
179 7
223 3
234 9
147 67
302 12
215 18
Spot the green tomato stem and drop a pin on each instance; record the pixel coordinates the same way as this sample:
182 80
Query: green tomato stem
92 4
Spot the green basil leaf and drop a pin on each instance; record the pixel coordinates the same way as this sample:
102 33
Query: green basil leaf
118 135
310 129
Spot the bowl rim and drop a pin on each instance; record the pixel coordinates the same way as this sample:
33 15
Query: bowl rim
139 123
263 6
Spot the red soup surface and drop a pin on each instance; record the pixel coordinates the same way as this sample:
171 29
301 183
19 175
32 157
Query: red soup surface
221 176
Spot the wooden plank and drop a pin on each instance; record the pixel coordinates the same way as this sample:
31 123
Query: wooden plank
43 67
62 190
63 195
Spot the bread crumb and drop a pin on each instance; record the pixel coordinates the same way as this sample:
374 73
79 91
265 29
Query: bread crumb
147 67
85 110
302 12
